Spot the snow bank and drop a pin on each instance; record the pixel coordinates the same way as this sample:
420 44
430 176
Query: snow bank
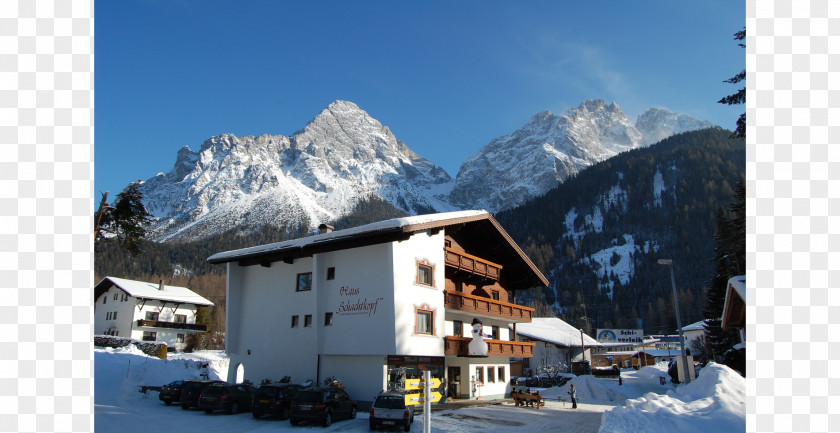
119 378
715 401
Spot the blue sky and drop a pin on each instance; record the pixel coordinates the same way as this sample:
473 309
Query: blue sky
446 77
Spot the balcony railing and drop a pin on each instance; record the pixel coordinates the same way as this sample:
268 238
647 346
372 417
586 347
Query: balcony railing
474 265
172 325
514 349
486 307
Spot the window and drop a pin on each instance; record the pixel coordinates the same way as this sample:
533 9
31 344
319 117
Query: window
327 319
425 274
304 282
295 320
179 338
149 336
494 333
459 286
115 296
104 300
494 295
330 273
491 374
457 328
108 316
424 322
180 318
151 315
307 321
479 375
114 315
124 297
501 374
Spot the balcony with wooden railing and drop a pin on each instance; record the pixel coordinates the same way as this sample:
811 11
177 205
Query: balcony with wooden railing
458 346
171 325
486 307
476 267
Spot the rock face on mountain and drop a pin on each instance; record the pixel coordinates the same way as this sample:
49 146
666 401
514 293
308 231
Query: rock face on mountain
316 175
344 155
549 148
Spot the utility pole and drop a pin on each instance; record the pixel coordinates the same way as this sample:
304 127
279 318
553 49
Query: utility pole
670 264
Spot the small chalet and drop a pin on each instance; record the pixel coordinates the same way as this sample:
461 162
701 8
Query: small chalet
735 305
556 343
146 311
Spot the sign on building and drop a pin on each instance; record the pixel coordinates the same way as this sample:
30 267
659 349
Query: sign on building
634 336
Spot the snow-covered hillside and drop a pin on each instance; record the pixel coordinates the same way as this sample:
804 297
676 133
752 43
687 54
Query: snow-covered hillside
550 148
344 155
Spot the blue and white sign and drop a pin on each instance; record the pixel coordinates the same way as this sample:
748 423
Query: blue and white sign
632 336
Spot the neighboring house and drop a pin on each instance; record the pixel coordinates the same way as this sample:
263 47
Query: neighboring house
695 336
146 311
735 306
556 345
380 303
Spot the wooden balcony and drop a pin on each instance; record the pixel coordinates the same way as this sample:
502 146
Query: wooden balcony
476 267
171 325
486 307
513 349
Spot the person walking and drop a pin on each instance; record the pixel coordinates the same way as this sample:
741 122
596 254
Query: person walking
573 395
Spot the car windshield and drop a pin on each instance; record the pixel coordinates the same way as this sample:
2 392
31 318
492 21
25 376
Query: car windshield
389 402
310 397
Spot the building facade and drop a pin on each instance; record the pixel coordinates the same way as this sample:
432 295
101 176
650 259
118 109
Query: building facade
146 311
378 304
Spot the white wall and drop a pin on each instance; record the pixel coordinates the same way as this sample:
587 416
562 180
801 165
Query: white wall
362 376
426 248
106 304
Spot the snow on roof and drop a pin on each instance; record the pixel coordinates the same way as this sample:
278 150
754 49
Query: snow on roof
394 224
141 289
555 331
696 326
739 283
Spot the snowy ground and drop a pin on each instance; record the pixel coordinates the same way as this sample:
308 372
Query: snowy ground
716 401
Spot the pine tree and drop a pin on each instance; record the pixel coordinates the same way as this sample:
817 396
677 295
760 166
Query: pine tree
126 219
740 96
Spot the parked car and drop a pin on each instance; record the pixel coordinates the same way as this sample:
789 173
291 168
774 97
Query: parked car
274 399
171 392
226 397
191 391
389 409
323 405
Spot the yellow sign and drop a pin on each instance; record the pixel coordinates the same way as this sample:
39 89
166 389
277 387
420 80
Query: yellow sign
418 383
418 398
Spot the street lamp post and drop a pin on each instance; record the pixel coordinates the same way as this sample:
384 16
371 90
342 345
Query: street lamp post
670 264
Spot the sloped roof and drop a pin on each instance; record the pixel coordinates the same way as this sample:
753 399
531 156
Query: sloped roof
696 326
555 331
144 290
389 231
735 302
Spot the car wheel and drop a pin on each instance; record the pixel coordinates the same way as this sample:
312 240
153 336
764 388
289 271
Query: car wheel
257 414
234 408
328 419
372 426
167 403
407 427
285 413
185 406
208 410
293 422
353 413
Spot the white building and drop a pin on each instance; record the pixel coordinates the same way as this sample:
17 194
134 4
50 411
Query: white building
557 345
376 304
146 311
694 335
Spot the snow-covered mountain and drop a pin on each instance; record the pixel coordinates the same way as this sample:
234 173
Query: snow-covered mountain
343 155
316 175
550 148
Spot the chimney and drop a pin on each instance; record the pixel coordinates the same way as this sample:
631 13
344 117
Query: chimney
160 287
325 228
